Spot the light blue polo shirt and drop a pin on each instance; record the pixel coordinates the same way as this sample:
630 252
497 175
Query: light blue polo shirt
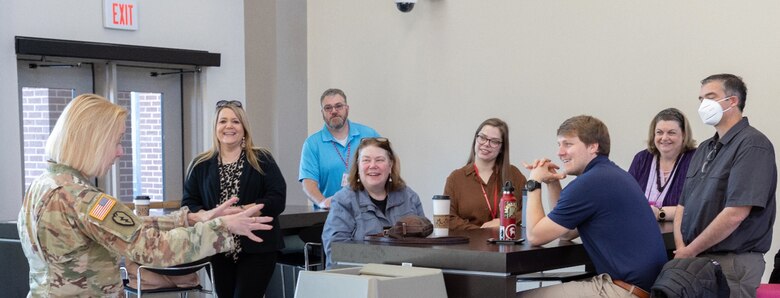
324 160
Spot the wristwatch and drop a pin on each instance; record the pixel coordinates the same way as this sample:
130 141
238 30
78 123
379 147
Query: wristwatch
532 185
661 214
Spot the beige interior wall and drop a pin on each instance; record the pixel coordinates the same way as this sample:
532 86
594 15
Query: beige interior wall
427 78
217 27
275 36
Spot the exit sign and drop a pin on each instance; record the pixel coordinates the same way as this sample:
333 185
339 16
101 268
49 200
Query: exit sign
120 14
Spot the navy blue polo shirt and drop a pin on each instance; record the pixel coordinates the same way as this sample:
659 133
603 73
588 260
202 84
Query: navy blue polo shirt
617 226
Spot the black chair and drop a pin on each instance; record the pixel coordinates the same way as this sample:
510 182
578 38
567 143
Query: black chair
772 288
185 269
561 276
14 269
313 252
542 276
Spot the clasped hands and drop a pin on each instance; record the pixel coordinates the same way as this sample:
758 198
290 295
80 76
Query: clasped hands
239 220
544 170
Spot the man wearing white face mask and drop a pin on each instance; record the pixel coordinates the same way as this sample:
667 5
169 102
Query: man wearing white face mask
727 207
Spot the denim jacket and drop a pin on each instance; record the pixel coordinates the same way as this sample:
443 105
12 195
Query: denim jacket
352 215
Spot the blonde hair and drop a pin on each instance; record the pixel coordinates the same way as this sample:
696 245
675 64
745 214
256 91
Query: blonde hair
249 150
87 129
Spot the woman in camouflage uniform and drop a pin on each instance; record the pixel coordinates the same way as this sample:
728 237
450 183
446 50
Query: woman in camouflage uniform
74 234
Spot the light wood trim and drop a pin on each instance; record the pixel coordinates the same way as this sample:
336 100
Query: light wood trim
158 205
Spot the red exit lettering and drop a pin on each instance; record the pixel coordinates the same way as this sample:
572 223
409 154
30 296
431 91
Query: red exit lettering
122 14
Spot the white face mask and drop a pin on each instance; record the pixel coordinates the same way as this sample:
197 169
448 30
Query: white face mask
710 111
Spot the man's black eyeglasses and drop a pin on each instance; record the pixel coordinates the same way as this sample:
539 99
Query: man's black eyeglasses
234 103
338 107
711 156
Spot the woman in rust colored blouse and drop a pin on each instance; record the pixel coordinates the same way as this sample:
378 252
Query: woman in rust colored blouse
475 189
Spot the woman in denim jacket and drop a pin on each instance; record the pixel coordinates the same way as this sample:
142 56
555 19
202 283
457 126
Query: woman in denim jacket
375 198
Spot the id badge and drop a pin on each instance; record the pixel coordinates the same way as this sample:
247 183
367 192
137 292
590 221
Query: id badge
344 179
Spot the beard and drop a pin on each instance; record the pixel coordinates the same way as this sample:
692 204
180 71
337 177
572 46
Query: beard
336 122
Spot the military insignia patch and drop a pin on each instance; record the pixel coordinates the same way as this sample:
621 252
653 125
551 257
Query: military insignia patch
123 219
103 207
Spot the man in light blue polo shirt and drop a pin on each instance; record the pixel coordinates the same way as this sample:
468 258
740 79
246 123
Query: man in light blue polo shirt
327 154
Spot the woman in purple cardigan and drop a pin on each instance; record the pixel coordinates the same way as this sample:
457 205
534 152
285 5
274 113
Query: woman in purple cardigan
660 170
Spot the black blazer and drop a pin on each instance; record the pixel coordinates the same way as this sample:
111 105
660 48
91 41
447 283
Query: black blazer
201 191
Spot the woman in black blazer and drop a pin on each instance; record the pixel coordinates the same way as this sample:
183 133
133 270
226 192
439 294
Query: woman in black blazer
234 168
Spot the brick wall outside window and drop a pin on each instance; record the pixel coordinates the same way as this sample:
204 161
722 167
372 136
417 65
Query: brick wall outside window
41 107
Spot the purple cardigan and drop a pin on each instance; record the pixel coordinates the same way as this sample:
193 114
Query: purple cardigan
640 169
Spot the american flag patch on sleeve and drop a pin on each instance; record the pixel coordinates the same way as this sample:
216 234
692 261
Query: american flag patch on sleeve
103 207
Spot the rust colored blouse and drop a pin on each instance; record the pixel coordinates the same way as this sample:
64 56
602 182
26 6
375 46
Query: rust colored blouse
468 207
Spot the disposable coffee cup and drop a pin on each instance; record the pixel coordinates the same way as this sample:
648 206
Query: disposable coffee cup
441 215
142 205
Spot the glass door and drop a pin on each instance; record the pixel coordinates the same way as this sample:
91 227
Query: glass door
45 88
153 164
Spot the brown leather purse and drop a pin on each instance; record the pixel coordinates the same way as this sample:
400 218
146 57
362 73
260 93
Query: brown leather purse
410 226
413 229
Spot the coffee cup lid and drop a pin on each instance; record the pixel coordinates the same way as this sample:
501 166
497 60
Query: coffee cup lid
141 200
441 197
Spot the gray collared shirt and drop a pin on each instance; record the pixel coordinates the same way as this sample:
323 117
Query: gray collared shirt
736 170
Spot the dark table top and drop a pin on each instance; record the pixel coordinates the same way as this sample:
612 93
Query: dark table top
296 216
477 255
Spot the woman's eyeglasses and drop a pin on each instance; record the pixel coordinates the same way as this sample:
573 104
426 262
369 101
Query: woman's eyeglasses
711 156
482 139
223 103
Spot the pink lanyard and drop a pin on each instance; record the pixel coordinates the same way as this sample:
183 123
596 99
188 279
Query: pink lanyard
345 160
493 213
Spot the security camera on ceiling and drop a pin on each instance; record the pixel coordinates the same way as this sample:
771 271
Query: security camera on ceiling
405 5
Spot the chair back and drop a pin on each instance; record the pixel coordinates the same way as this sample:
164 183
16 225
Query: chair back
177 279
775 277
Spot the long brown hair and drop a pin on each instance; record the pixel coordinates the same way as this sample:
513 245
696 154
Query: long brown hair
502 160
395 182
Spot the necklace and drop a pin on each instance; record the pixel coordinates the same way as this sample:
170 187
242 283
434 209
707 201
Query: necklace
658 183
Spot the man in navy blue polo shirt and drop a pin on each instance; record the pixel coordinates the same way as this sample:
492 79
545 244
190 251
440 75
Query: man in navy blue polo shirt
604 206
727 208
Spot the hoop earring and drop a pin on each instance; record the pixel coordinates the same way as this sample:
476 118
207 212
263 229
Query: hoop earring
243 142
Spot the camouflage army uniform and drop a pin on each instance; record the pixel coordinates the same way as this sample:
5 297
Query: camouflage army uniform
74 235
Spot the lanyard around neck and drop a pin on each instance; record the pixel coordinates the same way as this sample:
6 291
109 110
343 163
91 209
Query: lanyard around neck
345 160
493 212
